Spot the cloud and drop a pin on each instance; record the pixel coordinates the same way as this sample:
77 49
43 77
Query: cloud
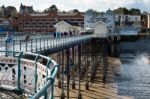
82 5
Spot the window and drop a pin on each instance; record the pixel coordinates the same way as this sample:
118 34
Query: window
136 19
129 19
92 21
88 21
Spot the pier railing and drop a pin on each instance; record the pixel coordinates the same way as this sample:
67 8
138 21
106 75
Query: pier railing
100 35
28 73
39 44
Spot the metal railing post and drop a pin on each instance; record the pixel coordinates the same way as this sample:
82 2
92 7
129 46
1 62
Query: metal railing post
1 39
6 49
36 45
35 74
68 71
62 73
56 42
20 44
19 70
79 63
31 46
40 44
44 43
47 43
26 45
47 67
13 48
53 42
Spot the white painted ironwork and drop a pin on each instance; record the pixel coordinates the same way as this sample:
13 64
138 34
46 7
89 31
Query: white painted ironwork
9 71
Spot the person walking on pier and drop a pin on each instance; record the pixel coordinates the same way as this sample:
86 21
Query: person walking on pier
27 38
8 38
8 42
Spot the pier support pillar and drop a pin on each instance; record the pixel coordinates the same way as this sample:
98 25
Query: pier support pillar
112 49
62 96
79 63
68 71
59 70
105 64
93 61
87 80
117 47
73 76
62 73
87 64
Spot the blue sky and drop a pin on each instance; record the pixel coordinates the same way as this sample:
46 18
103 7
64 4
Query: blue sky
82 5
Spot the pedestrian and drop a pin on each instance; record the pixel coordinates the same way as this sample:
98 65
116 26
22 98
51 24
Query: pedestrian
8 43
62 34
8 38
27 38
54 34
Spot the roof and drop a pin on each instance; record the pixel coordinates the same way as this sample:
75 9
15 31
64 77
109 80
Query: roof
102 23
38 14
68 23
62 22
55 15
71 23
109 12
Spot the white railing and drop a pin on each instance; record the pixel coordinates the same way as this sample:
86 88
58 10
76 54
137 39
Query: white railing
28 76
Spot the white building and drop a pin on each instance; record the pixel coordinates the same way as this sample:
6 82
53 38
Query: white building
63 26
117 22
110 20
101 29
91 17
128 21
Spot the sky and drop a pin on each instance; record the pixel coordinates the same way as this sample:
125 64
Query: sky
81 5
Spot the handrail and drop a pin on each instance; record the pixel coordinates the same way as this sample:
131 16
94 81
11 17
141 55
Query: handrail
35 37
38 45
50 82
51 68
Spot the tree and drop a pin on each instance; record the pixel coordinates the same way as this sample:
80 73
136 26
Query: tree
134 11
121 11
75 10
64 12
144 13
11 8
12 12
51 9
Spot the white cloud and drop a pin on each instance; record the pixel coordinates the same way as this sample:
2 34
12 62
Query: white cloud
82 5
